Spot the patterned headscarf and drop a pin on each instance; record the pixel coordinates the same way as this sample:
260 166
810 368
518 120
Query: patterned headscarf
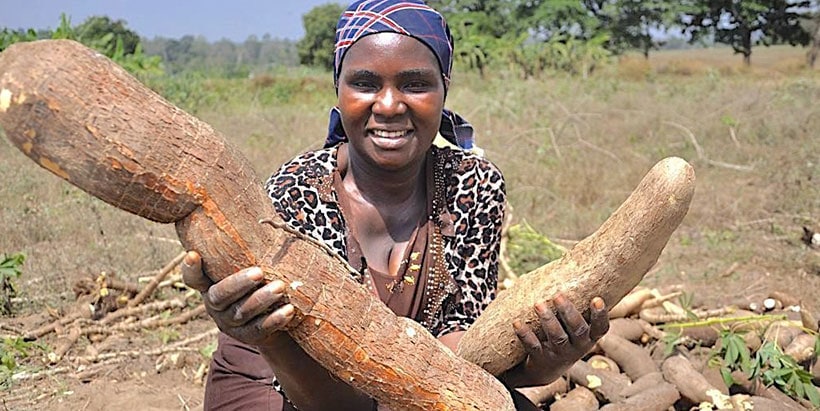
411 18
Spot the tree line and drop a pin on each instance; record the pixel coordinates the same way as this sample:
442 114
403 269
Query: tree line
576 35
160 55
530 36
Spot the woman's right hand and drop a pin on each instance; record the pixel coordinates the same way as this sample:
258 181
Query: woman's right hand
242 305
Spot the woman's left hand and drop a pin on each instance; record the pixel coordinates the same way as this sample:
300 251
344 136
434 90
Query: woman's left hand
567 338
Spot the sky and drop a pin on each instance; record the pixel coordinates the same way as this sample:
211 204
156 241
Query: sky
214 19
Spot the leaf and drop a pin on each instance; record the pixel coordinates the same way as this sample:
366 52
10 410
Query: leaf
812 395
727 376
731 354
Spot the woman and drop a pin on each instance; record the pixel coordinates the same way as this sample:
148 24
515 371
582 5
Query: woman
420 223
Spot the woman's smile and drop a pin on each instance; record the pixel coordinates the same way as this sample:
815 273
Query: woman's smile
390 140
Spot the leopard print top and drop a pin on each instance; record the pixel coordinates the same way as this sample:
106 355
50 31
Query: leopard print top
475 199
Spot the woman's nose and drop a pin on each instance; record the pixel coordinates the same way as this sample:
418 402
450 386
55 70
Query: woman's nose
389 102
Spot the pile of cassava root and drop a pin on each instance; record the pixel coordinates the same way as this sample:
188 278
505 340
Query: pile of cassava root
662 355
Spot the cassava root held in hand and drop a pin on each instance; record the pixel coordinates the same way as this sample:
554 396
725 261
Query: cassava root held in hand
609 263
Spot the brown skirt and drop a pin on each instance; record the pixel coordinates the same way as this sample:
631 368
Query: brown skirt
240 379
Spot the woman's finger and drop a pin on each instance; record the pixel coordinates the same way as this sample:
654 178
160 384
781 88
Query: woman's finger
598 319
233 288
555 334
192 273
574 323
527 336
259 302
278 319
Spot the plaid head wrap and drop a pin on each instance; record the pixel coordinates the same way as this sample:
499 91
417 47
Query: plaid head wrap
411 18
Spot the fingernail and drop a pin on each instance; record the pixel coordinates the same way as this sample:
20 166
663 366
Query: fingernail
190 258
288 310
559 299
276 286
517 324
541 307
255 273
598 303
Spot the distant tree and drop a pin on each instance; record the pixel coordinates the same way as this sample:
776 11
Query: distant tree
635 24
742 24
316 47
103 34
814 27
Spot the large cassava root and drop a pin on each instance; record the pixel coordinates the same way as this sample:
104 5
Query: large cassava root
85 119
609 264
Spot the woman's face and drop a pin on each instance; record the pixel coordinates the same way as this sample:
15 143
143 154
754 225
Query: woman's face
391 94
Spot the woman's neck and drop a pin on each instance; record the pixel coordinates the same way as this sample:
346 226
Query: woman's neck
383 187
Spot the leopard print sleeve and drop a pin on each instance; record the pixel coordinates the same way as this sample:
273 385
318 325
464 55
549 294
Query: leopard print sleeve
478 201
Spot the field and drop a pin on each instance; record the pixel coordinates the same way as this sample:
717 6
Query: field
571 150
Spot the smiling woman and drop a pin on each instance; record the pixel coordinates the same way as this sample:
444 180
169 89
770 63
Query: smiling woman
419 224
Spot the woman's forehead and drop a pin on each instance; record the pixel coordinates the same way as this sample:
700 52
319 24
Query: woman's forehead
377 49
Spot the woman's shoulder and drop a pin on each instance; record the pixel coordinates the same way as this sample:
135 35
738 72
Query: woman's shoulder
468 165
311 164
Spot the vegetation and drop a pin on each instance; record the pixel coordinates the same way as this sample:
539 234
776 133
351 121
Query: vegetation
111 38
740 24
10 270
768 363
316 47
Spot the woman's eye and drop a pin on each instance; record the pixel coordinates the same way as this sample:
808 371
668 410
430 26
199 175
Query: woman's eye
363 85
418 86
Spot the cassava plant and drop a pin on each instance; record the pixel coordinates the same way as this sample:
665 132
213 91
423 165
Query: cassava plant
769 365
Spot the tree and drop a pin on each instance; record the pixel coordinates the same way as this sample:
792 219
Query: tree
634 24
742 24
316 47
102 33
811 56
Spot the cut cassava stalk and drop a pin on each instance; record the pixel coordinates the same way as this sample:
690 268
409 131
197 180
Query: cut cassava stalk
83 118
609 263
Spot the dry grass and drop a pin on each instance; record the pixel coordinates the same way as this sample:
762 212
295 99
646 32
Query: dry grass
571 151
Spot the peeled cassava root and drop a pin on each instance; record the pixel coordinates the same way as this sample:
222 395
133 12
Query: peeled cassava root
83 118
609 263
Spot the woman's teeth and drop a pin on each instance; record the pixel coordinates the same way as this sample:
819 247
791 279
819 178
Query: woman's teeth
389 134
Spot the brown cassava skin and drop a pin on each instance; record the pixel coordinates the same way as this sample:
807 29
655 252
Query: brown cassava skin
659 397
609 263
634 361
83 118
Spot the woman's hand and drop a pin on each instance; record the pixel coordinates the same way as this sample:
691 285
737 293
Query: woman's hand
568 337
242 305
